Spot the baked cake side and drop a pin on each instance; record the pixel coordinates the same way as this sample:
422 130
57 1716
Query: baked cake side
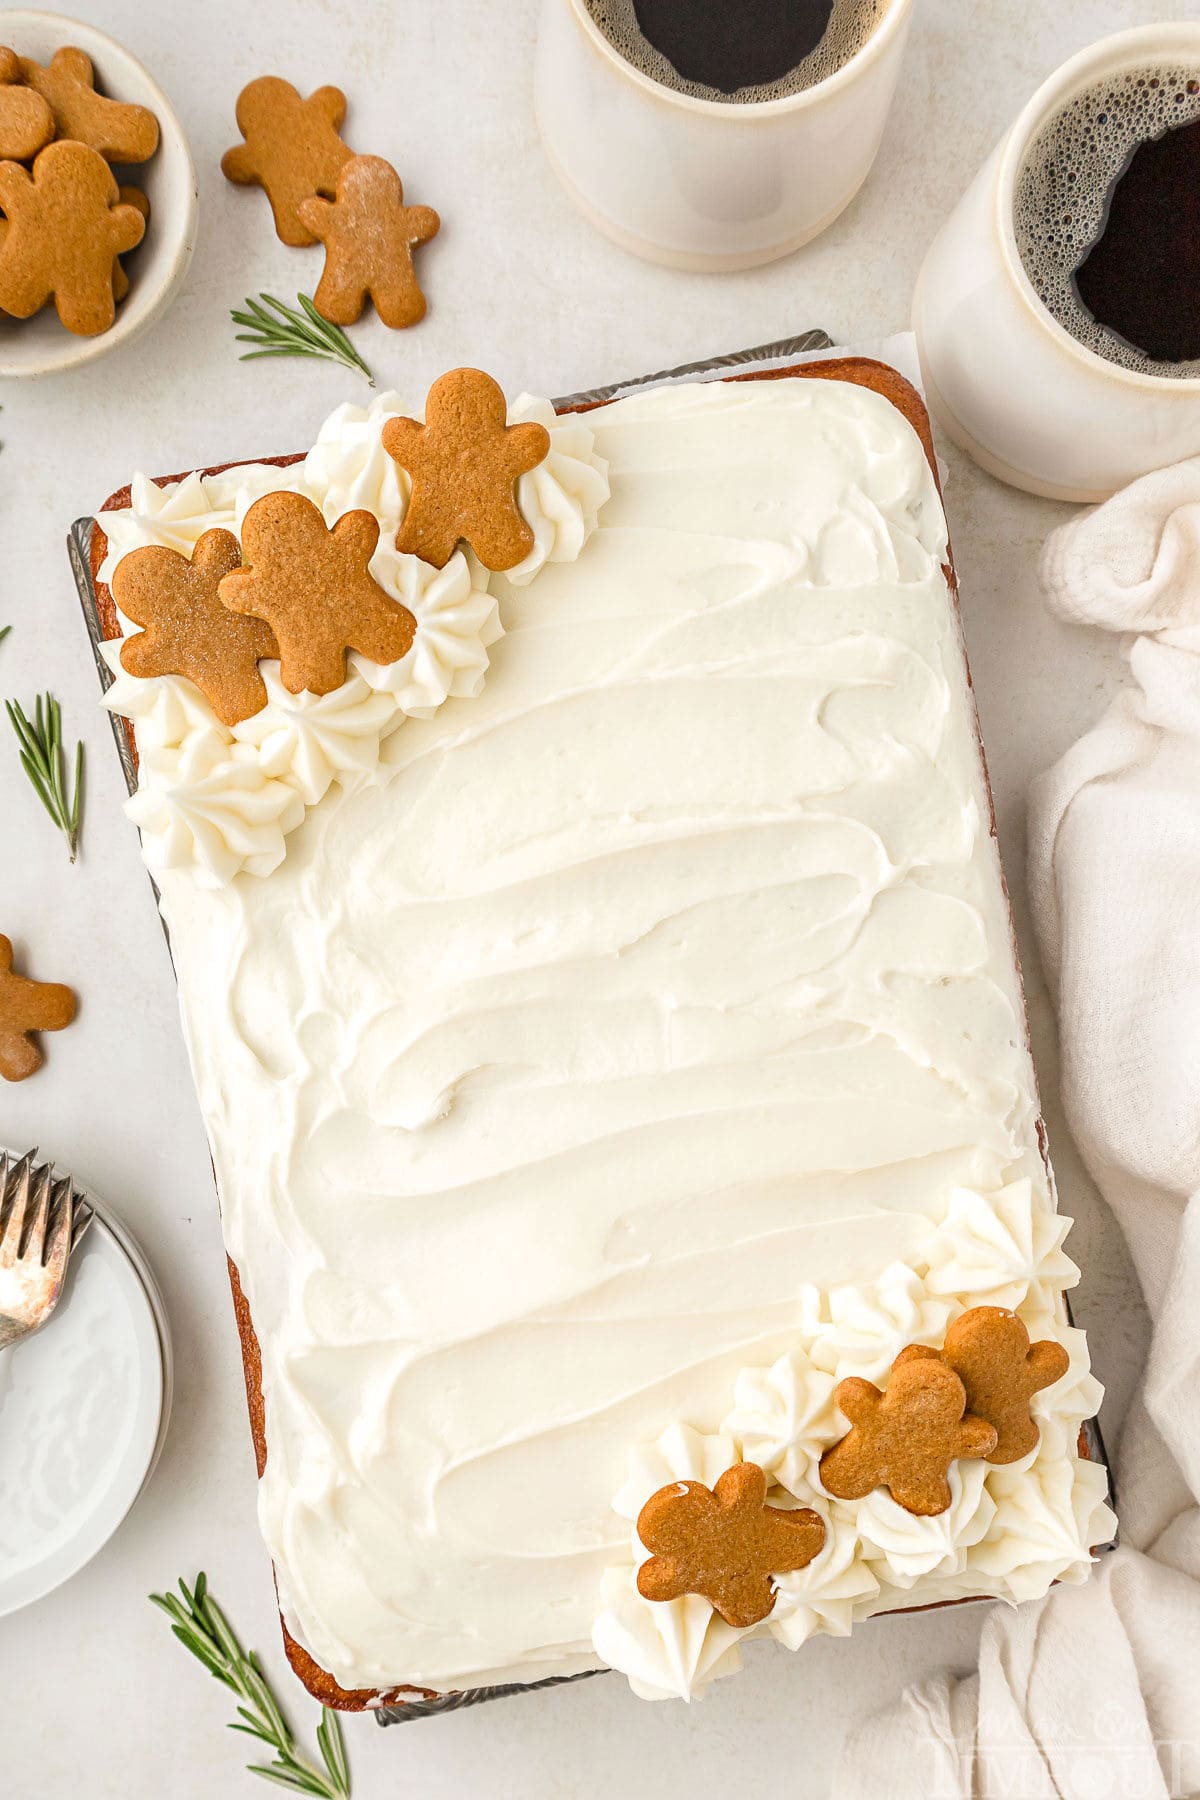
605 1068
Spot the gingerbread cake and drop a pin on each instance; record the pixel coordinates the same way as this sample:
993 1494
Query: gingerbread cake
608 1028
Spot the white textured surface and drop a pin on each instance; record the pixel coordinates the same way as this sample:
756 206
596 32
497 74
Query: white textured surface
520 285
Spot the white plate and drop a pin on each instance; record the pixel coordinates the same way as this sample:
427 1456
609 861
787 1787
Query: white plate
83 1410
40 345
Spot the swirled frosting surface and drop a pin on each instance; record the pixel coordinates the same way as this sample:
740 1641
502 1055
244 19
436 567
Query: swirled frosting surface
660 992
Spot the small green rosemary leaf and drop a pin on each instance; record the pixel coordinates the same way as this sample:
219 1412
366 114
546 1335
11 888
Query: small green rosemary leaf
286 1778
77 803
278 330
332 1746
40 747
218 1624
254 1731
199 1650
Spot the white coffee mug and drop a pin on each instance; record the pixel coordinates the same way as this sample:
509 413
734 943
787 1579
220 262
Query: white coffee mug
703 184
1004 379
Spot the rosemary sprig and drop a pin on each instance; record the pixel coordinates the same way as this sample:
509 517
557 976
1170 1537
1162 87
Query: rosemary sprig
41 748
201 1627
283 331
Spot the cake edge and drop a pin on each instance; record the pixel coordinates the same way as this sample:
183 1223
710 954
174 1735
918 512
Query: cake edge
882 379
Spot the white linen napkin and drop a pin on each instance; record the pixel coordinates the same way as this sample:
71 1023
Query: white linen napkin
1095 1691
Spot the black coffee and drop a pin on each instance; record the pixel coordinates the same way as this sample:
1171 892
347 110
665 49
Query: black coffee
1141 278
750 44
742 50
1107 219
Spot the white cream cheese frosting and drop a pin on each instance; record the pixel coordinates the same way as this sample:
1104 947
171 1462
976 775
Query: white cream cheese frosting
641 1027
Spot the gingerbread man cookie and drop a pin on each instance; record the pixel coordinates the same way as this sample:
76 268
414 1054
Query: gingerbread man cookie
26 1007
292 149
465 462
369 236
905 1438
311 584
26 121
187 631
66 227
724 1543
118 130
989 1350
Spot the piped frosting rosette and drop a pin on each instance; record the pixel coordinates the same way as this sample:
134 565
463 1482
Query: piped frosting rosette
203 801
562 497
999 1249
219 800
667 1649
837 1588
904 1547
457 622
310 741
1047 1517
348 466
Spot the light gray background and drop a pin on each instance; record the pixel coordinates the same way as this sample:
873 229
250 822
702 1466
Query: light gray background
95 1698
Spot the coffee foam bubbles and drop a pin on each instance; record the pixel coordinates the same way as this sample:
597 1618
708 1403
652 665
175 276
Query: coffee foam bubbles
851 23
1060 202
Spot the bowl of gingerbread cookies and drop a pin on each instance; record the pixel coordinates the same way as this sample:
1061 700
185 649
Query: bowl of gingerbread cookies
98 195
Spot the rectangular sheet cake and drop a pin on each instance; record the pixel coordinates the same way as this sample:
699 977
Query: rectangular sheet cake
609 1035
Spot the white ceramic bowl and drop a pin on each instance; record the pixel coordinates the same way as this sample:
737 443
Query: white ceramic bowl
41 346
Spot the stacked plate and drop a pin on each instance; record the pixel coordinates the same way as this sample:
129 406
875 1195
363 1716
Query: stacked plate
83 1411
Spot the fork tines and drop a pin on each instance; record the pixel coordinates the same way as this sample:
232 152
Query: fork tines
37 1211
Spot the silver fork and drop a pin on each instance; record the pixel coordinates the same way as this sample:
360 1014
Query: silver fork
41 1221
